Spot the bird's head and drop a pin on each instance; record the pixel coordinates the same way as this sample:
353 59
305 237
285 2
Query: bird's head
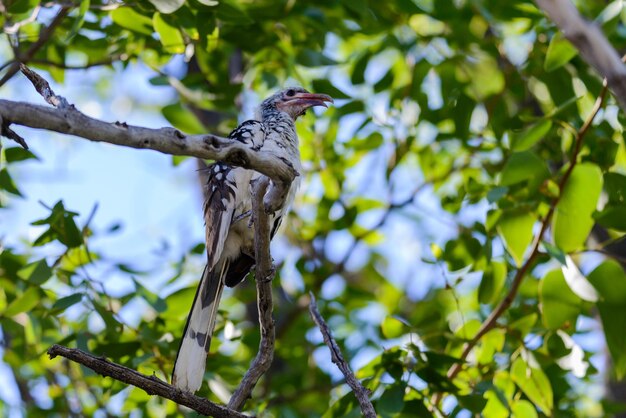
294 101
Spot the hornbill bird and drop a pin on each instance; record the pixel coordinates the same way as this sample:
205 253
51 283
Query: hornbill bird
229 238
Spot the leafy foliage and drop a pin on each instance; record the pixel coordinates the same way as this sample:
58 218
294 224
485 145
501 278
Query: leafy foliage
457 122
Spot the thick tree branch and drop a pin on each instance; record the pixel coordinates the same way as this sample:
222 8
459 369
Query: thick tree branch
68 120
335 352
264 273
151 384
591 43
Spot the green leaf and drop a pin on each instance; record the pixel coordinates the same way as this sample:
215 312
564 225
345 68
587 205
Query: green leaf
560 52
312 58
534 383
167 6
609 279
128 18
65 302
523 409
7 184
36 273
392 327
183 119
373 141
391 401
615 186
527 138
153 299
21 6
462 252
492 282
573 216
559 305
516 230
170 36
231 12
322 85
613 217
27 301
524 166
15 154
80 19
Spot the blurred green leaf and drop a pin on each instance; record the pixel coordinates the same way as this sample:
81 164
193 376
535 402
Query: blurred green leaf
36 273
392 327
65 302
16 154
183 119
559 305
170 36
516 229
534 383
524 166
24 303
609 279
530 136
523 409
492 282
572 218
128 18
7 183
560 52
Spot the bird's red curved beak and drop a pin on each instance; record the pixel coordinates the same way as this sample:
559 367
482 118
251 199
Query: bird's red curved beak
310 99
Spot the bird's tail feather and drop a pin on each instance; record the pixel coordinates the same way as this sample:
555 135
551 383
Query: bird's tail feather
196 341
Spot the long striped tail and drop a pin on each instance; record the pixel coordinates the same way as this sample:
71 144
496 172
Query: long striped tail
194 346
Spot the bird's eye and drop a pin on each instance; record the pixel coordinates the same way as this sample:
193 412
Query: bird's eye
290 92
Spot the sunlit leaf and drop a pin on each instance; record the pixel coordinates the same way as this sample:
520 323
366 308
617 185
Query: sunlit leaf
27 301
572 218
170 36
492 282
559 305
128 18
560 52
534 383
609 279
530 136
516 229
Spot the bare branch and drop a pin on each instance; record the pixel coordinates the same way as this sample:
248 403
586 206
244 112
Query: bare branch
68 120
11 134
591 42
43 88
151 384
359 391
264 273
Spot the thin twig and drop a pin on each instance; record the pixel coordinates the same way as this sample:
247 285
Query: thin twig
264 273
359 391
490 322
44 36
151 384
43 88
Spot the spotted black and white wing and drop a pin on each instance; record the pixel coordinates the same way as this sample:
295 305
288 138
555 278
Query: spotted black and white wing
251 133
